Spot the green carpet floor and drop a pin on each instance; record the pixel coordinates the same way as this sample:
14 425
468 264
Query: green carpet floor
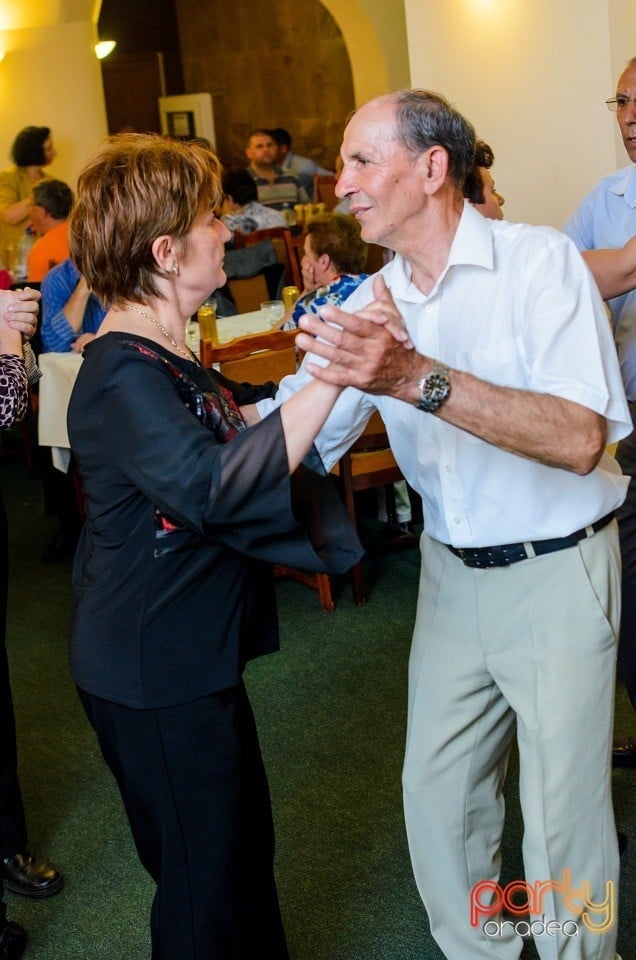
331 711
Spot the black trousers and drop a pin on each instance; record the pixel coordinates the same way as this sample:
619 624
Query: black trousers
626 456
194 787
13 836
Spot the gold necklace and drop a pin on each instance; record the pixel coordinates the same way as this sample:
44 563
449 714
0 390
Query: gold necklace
183 350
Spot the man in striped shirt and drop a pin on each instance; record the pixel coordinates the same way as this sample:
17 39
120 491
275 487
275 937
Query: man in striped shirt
276 187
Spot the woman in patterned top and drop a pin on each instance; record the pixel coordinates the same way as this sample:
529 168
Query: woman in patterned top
18 319
334 256
186 507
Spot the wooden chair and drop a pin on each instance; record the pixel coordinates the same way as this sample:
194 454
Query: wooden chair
325 190
281 238
375 258
248 292
369 463
256 359
297 252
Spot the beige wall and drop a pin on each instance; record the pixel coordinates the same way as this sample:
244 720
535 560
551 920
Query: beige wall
622 15
532 76
51 77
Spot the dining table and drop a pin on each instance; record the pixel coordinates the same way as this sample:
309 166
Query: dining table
59 372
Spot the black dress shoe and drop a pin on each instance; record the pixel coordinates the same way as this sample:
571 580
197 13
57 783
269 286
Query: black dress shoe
31 877
624 752
12 941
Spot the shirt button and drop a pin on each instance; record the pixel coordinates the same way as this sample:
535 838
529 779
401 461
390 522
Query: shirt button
447 468
458 519
428 308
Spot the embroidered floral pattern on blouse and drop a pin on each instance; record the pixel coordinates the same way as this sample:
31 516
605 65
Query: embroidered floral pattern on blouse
216 409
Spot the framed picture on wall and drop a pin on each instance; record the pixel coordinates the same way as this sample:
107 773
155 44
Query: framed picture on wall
180 123
187 116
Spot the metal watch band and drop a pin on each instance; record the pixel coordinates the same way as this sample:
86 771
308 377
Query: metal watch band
434 388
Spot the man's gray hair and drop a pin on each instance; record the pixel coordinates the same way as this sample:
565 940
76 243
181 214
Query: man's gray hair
425 119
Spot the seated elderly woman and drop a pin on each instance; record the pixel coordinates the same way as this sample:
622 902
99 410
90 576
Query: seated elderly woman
22 873
333 258
186 509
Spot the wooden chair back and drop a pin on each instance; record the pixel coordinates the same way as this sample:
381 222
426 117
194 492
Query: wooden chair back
297 252
248 292
375 258
256 358
369 463
281 238
325 190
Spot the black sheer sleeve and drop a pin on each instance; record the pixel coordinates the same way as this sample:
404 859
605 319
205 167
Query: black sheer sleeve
238 493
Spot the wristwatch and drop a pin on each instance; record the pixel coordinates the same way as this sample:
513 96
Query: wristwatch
434 388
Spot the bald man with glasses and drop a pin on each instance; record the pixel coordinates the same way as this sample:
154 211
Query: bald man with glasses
606 220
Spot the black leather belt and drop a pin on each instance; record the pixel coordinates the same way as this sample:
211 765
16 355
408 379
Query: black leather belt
506 553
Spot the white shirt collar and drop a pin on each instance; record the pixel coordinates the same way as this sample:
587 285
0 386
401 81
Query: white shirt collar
472 245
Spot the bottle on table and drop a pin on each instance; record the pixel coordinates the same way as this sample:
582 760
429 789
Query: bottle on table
25 243
206 315
288 213
290 296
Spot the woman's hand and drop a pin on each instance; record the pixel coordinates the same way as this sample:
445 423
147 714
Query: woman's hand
19 310
309 279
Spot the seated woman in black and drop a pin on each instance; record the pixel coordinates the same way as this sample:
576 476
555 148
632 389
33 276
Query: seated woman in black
186 508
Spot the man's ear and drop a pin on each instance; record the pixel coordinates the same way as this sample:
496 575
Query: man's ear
434 168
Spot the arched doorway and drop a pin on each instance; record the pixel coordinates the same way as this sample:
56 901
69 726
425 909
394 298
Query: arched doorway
268 65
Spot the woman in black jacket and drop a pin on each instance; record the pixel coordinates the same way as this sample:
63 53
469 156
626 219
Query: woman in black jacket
186 509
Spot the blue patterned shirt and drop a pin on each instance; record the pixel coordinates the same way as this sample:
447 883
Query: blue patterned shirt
332 295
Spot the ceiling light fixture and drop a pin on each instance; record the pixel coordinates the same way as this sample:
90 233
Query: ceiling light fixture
104 47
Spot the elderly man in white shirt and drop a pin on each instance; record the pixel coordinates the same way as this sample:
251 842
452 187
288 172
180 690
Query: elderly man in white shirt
469 343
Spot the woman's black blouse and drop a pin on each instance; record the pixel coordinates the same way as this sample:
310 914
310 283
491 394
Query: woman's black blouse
186 510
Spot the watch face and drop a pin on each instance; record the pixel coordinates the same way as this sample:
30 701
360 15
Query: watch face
434 388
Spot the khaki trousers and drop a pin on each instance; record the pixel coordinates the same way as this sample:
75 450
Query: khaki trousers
529 648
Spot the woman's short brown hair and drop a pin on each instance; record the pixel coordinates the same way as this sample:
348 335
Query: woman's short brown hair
338 235
137 187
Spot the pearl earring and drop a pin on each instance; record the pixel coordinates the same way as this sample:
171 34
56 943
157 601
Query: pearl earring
174 270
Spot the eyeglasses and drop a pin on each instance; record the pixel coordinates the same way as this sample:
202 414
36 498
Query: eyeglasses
620 103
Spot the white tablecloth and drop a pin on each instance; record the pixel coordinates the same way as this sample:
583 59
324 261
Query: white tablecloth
59 371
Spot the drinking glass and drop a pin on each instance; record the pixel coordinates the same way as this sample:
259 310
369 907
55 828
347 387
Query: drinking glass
273 310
